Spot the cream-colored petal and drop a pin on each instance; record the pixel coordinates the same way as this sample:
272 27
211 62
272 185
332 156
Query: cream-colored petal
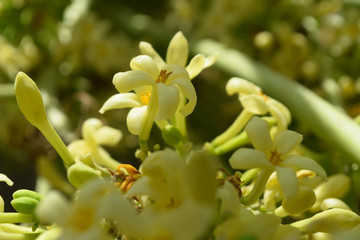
121 100
258 132
127 81
187 90
168 101
241 86
178 50
286 141
135 119
147 49
302 162
196 65
146 64
177 71
4 178
107 136
280 112
254 103
287 181
247 158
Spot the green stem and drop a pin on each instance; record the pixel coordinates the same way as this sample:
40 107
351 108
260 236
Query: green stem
233 143
16 218
234 129
249 175
180 120
309 109
51 135
259 187
18 236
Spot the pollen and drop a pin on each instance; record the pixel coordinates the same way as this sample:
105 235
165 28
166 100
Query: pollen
275 157
264 96
145 97
163 76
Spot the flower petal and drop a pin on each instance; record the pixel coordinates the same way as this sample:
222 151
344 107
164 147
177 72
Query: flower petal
146 64
241 86
285 141
196 65
247 158
135 119
147 49
178 50
258 132
177 71
254 103
280 113
288 181
302 162
107 136
121 100
168 101
187 90
4 178
127 81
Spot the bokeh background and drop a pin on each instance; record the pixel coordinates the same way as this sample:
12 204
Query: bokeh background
72 49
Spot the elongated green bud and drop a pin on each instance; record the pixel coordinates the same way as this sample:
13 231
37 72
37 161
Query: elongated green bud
332 220
25 205
79 173
29 100
27 193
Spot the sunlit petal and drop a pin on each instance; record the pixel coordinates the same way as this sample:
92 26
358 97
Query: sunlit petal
254 104
288 181
247 158
240 85
178 50
147 49
187 90
258 132
146 64
196 65
107 136
4 178
127 81
177 71
135 119
168 101
121 100
302 162
285 141
280 113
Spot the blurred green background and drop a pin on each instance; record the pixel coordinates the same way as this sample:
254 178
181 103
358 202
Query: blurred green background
72 49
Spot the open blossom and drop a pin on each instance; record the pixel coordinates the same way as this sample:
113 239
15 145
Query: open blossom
95 134
177 53
255 101
274 155
151 84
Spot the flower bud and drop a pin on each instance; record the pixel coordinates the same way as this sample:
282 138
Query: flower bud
330 221
29 100
302 202
171 135
27 193
24 204
79 173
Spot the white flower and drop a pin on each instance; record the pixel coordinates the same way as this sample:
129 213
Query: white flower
177 53
274 155
255 101
160 86
95 134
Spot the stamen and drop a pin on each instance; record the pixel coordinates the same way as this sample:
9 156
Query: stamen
163 76
145 97
275 157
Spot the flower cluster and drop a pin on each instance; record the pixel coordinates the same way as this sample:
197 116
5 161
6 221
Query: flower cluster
179 192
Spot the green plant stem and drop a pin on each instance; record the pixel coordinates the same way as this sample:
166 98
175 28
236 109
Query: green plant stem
326 121
179 119
234 129
18 236
249 175
233 143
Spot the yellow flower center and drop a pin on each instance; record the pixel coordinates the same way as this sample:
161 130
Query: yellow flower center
83 218
163 76
275 157
264 96
145 97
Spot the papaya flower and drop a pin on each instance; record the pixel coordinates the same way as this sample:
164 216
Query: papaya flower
273 155
254 102
177 53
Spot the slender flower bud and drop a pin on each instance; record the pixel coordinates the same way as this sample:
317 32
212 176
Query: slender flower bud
27 193
32 106
25 205
333 220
